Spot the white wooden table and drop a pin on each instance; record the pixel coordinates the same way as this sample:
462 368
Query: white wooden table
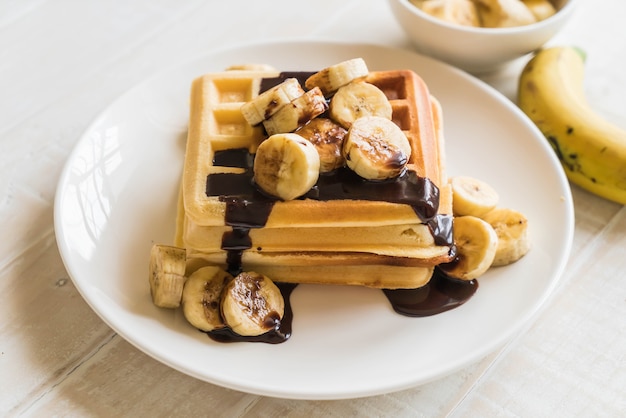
64 61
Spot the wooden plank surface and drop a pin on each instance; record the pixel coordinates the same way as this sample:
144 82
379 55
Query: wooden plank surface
63 61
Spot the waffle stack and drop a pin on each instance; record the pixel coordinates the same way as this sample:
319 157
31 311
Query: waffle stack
377 234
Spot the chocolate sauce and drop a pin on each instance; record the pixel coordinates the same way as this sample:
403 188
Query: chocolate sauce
241 195
268 83
247 207
441 229
410 189
440 294
247 211
236 240
239 157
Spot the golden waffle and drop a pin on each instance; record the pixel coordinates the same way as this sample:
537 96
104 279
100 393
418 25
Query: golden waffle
290 269
365 242
216 124
413 241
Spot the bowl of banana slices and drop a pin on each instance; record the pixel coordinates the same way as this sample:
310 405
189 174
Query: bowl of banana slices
480 36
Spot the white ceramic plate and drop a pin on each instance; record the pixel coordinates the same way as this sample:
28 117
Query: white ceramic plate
117 195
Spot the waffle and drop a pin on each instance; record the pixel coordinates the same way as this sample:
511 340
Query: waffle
342 241
216 124
414 241
288 268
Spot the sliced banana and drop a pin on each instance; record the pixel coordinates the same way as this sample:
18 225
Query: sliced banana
167 275
330 79
512 229
471 196
286 166
462 12
356 100
271 101
327 136
251 67
376 148
202 297
476 243
252 304
541 9
503 13
296 113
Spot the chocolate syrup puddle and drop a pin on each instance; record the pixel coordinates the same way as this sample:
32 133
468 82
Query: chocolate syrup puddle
440 294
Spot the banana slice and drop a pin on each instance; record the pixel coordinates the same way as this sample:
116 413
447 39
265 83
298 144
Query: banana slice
286 166
512 229
330 79
541 9
462 12
327 136
503 13
356 100
202 297
271 101
476 243
376 148
252 304
296 113
167 275
472 196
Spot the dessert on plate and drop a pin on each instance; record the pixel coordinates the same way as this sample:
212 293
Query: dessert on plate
332 177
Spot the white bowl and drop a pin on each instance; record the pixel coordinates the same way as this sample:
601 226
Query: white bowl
473 49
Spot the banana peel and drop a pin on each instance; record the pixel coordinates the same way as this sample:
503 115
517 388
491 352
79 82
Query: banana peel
591 149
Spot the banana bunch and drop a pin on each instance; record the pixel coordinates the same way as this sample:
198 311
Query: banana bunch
337 120
592 150
250 303
485 235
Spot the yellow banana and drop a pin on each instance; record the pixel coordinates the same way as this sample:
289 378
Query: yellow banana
591 149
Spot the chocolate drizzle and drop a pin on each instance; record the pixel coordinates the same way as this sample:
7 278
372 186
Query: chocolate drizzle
269 82
410 189
247 206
